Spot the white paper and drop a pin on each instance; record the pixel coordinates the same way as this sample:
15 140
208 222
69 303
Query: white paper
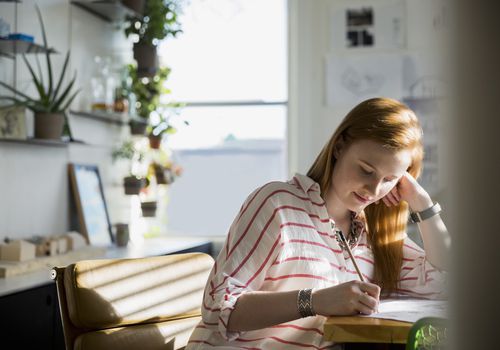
410 310
354 78
424 75
428 111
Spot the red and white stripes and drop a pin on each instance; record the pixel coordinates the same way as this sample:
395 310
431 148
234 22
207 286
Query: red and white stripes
282 240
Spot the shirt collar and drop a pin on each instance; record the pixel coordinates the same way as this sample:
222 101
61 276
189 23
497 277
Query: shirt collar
306 183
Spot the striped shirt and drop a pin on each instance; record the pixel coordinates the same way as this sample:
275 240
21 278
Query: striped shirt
282 240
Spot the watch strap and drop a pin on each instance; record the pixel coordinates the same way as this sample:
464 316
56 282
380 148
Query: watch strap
425 214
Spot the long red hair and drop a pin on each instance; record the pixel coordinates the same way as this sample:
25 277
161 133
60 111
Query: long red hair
395 126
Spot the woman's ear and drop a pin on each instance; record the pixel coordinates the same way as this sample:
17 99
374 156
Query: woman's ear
339 147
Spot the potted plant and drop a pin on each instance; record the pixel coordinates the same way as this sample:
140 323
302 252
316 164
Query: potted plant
147 93
148 208
163 175
161 124
53 99
160 19
165 171
132 183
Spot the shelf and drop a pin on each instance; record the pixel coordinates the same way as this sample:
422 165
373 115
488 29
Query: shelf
107 117
12 47
108 10
39 142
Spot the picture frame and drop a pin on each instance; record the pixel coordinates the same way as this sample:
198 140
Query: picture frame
90 203
13 123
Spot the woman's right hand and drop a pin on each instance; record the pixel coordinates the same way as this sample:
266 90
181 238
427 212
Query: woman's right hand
348 298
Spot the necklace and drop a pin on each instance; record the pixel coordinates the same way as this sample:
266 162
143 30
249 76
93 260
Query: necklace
353 236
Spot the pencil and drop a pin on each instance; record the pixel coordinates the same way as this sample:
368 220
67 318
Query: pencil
352 256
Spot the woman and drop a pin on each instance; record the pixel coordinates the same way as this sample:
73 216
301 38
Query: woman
284 269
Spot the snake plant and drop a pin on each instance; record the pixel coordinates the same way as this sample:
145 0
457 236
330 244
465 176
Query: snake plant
52 97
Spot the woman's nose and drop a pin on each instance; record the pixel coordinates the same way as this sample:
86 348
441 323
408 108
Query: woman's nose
373 188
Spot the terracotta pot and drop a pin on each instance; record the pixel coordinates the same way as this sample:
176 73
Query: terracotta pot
49 126
148 209
135 5
147 59
133 185
138 127
155 141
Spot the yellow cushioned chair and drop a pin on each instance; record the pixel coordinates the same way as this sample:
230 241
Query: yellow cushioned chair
146 303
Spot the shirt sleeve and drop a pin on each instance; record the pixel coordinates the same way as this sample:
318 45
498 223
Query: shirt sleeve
250 248
418 277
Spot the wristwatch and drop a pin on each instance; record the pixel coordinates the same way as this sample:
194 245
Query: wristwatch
419 216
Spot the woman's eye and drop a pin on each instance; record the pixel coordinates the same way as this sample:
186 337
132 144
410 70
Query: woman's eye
366 172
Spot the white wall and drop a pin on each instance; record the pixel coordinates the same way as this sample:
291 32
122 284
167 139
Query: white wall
311 120
34 188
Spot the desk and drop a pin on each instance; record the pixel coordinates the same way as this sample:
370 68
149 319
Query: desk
355 329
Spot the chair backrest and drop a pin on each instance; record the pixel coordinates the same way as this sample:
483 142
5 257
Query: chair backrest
126 303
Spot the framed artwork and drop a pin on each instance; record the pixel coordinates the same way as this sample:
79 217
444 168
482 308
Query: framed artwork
90 204
13 123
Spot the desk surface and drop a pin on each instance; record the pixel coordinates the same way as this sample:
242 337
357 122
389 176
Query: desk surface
150 247
356 329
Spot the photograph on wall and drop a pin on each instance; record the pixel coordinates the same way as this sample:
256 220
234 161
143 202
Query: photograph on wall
379 25
360 31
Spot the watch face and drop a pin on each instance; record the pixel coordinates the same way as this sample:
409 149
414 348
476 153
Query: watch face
414 217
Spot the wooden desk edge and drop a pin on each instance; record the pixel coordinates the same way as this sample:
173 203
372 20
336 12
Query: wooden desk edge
353 329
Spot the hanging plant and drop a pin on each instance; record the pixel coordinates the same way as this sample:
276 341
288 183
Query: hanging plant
160 20
132 183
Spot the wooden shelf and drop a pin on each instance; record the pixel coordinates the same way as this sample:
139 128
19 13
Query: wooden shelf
12 47
38 142
108 10
106 117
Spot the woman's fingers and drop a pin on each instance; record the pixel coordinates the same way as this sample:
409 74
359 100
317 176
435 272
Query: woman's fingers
368 301
392 198
370 288
363 309
396 194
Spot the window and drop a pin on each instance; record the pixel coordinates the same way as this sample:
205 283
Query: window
230 68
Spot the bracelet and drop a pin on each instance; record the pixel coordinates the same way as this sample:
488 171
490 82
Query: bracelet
425 214
304 303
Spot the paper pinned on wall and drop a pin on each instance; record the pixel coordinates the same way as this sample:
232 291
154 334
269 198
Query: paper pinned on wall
351 79
424 75
429 112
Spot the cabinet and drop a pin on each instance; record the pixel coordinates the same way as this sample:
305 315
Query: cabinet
30 319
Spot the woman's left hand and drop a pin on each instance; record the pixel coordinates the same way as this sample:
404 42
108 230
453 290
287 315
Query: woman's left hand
409 190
